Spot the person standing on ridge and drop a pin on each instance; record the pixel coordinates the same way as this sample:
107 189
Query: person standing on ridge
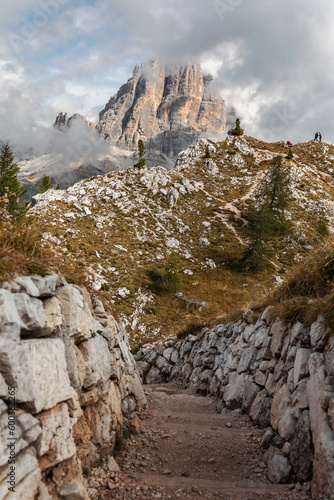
316 137
320 136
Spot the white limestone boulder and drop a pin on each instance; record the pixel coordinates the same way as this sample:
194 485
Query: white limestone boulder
56 442
47 372
301 368
78 318
32 315
97 360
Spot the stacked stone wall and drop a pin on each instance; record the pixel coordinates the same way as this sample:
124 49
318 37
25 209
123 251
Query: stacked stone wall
68 387
281 375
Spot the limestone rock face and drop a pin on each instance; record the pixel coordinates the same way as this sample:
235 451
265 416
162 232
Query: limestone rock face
169 108
56 443
63 120
47 372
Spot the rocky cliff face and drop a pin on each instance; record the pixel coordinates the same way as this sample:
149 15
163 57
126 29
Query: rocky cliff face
68 384
281 375
167 107
63 120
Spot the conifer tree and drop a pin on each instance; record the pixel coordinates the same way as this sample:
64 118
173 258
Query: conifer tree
141 153
45 184
207 152
58 186
237 130
289 156
268 219
172 274
9 183
275 190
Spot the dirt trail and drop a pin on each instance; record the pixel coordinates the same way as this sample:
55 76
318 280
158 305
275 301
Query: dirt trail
186 450
224 211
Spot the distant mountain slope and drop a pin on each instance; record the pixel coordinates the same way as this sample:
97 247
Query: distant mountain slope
121 225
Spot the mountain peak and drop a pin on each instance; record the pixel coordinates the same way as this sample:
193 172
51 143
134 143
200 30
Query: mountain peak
63 120
167 106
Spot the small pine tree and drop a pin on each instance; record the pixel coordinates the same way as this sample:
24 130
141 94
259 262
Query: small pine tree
274 195
268 219
58 186
141 163
289 156
172 275
45 184
237 130
9 183
256 255
207 152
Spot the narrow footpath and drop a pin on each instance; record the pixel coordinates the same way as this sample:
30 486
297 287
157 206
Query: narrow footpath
186 450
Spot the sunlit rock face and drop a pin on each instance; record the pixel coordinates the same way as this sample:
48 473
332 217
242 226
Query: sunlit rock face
168 107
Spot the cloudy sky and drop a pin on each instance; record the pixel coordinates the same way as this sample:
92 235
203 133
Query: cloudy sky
272 59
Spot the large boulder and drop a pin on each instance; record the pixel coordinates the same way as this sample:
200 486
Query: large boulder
31 313
319 334
247 359
301 368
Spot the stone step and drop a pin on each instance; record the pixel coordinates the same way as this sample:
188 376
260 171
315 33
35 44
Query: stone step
208 419
196 428
243 488
168 389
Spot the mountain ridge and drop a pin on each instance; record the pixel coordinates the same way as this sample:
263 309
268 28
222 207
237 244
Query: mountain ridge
124 224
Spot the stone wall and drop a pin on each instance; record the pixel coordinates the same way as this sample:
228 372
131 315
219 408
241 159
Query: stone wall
68 387
281 375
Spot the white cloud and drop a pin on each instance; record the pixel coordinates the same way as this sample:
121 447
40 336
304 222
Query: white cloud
272 60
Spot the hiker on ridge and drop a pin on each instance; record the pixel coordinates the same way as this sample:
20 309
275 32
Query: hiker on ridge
316 137
320 136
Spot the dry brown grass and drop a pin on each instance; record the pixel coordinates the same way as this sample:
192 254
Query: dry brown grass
309 291
22 253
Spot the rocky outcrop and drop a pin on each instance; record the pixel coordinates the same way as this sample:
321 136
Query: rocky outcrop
169 108
68 387
63 120
281 375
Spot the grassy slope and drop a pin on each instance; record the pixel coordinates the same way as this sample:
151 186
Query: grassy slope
141 222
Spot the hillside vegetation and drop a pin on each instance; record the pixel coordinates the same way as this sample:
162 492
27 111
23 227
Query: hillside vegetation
122 229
